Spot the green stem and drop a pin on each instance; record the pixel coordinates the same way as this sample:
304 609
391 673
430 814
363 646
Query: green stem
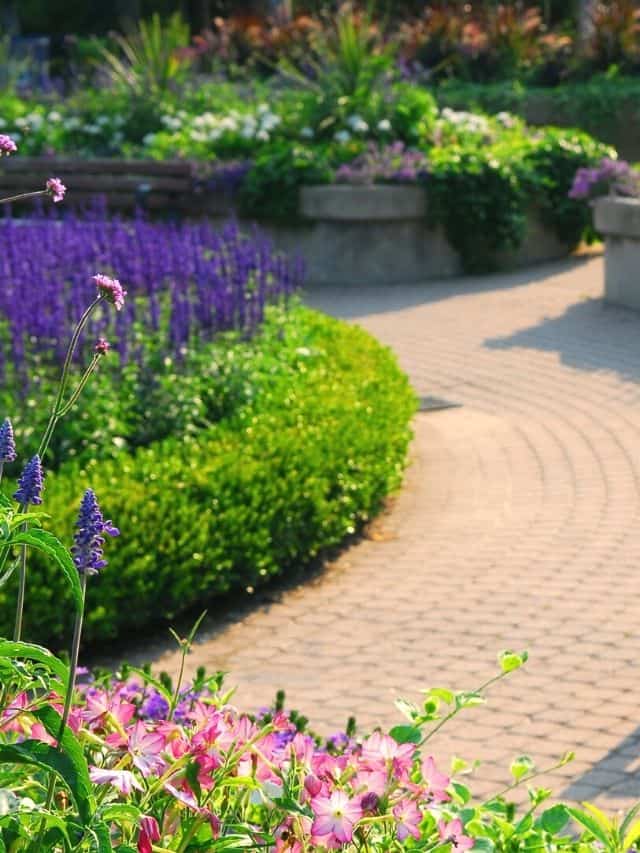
22 568
64 378
85 378
455 711
73 666
20 196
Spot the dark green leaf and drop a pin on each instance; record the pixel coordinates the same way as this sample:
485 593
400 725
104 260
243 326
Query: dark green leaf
46 542
30 651
48 758
554 819
406 734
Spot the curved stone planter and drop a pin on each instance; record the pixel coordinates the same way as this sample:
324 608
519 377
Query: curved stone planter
354 235
619 220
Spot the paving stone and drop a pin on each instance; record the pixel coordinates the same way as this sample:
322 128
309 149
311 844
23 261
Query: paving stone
517 527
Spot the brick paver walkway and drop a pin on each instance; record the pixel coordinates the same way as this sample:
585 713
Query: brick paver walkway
517 528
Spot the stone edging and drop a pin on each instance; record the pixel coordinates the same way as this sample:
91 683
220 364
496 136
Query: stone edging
619 220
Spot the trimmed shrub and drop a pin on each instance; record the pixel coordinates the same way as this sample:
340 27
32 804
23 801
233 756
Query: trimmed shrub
310 455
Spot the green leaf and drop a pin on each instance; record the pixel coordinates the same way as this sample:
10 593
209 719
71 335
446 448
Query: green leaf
99 838
46 542
30 651
5 502
461 791
48 758
469 699
447 696
510 661
407 709
630 815
406 734
521 766
120 813
483 844
589 823
8 572
554 819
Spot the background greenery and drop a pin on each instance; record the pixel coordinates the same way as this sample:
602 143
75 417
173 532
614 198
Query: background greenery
313 442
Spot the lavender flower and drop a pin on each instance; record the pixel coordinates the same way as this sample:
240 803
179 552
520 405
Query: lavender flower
7 145
88 539
608 177
7 442
155 706
56 189
111 289
391 164
31 483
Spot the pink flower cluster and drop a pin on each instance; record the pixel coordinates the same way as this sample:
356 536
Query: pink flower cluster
111 290
7 145
56 189
342 791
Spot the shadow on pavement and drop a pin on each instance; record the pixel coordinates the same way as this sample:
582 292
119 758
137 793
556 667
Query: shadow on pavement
352 302
583 336
603 779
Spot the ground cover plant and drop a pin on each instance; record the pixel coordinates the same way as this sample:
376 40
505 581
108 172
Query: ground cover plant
128 759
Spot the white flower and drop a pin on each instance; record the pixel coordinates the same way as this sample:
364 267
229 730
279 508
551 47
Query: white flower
262 135
306 133
507 119
384 126
171 122
342 136
149 139
357 124
54 115
103 120
91 129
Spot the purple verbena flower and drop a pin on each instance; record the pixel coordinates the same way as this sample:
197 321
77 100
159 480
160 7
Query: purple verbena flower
111 289
56 189
31 483
88 539
7 442
155 706
7 145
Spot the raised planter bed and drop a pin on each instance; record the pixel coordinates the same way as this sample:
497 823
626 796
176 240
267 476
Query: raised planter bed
619 220
380 235
347 234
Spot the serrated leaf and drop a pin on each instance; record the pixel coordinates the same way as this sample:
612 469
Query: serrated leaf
48 544
30 651
38 754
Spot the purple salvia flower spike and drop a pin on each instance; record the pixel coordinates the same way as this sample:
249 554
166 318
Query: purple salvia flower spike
7 442
88 540
31 483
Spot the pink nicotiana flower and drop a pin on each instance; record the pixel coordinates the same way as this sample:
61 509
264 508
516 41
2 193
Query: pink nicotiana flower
453 833
438 782
149 832
381 751
56 189
101 347
111 290
408 818
7 145
335 817
145 748
124 780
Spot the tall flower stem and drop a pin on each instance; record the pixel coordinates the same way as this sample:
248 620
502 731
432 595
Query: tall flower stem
20 196
56 411
68 699
22 585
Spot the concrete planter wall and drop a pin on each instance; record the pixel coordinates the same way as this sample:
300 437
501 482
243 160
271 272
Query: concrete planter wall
346 234
619 220
354 235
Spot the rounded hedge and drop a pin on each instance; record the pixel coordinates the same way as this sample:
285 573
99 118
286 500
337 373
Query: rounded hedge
310 455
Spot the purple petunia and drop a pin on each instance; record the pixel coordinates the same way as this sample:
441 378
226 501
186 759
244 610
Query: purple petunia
31 483
7 442
88 539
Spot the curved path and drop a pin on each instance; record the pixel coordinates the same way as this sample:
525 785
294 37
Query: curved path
517 528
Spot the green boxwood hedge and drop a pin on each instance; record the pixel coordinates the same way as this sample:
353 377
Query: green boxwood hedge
304 461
